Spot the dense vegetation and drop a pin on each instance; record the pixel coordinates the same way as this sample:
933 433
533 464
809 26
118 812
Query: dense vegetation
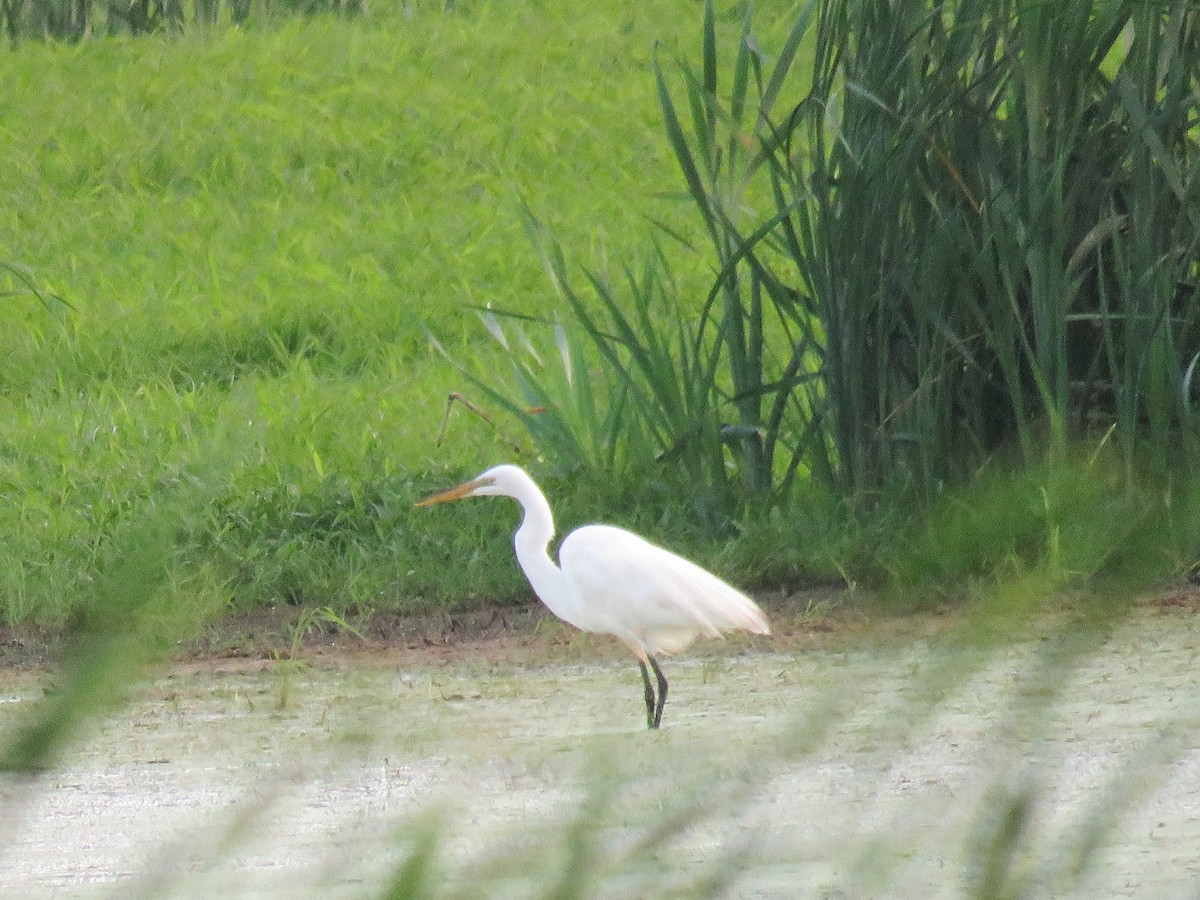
992 213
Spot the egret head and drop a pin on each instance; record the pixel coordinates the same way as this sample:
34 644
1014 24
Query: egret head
498 481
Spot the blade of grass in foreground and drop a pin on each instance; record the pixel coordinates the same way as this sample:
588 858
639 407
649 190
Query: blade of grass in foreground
116 635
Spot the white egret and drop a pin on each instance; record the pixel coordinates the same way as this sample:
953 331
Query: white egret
611 581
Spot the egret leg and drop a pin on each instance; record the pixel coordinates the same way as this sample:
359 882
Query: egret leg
662 690
650 720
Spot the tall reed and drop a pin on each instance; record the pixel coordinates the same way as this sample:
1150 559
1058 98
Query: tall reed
991 210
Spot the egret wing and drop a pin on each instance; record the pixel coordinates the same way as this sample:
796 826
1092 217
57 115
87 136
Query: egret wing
647 595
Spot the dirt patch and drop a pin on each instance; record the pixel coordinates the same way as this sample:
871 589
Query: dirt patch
513 633
529 634
526 633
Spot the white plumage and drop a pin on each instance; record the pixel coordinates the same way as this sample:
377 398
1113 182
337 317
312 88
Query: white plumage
611 581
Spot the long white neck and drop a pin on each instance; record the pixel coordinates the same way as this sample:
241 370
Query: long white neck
532 541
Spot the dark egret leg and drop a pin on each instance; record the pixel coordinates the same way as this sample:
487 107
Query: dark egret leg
662 690
650 720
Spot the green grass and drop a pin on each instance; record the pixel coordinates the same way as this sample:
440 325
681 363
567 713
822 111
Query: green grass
208 215
218 253
246 229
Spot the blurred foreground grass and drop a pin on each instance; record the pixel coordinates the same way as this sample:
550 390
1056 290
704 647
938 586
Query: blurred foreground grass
1029 745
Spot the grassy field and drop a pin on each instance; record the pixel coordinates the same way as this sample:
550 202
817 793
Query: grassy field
221 247
219 253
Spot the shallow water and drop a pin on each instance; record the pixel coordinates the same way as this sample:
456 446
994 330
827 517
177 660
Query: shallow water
859 767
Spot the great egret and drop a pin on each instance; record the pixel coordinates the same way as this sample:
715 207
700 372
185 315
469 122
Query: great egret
611 581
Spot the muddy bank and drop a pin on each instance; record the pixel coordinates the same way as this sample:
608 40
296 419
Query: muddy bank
526 631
